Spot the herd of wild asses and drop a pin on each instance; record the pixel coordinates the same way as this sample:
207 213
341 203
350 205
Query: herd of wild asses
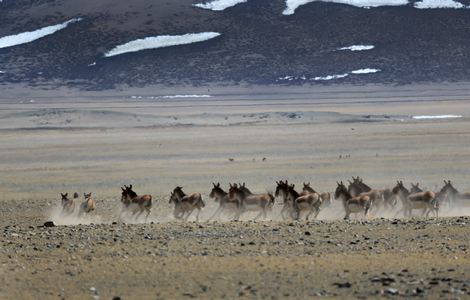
356 198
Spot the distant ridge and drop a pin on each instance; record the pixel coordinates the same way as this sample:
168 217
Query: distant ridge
257 43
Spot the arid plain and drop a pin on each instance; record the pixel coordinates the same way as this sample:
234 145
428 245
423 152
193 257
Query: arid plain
52 145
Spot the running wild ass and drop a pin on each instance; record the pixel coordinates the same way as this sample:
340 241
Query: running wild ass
225 203
425 201
357 204
308 201
453 196
87 206
135 203
68 205
251 202
186 204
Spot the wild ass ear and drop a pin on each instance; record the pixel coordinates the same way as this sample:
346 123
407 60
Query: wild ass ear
130 187
66 194
123 189
243 184
338 183
350 181
214 184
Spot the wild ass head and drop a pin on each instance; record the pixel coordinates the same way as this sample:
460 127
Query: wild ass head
341 191
281 188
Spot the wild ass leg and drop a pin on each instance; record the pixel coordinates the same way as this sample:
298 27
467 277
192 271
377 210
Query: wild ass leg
259 215
317 211
283 212
217 213
188 215
148 213
311 211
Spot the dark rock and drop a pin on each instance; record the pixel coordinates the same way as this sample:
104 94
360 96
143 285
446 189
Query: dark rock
49 224
343 284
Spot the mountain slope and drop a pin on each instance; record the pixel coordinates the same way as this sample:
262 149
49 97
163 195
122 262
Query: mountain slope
257 45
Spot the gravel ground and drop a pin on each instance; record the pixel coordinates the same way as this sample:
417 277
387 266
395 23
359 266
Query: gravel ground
425 258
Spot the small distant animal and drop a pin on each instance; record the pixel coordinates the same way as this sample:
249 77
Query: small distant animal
75 195
231 159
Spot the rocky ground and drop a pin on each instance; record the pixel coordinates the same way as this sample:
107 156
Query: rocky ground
273 259
423 258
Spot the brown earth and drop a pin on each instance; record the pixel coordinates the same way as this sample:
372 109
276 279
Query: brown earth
54 146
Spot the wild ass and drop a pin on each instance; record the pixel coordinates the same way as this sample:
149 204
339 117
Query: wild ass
378 197
251 202
453 196
310 202
135 203
88 205
357 204
426 200
186 204
68 205
225 203
325 196
288 203
415 188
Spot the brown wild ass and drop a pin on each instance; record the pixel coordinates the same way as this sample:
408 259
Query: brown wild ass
288 203
135 203
186 204
378 197
453 196
357 204
415 188
68 205
251 202
426 201
88 205
225 203
325 196
310 202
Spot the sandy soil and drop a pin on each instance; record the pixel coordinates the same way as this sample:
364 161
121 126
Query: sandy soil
51 146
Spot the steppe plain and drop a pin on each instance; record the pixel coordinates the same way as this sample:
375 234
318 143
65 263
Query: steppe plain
99 143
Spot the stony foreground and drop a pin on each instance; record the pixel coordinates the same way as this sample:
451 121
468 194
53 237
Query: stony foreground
273 260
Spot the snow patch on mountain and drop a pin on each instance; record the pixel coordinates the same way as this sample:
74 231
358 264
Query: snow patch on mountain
357 48
430 4
30 36
292 5
219 5
161 42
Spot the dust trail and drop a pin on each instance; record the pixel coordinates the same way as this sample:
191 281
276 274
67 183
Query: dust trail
59 217
109 211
